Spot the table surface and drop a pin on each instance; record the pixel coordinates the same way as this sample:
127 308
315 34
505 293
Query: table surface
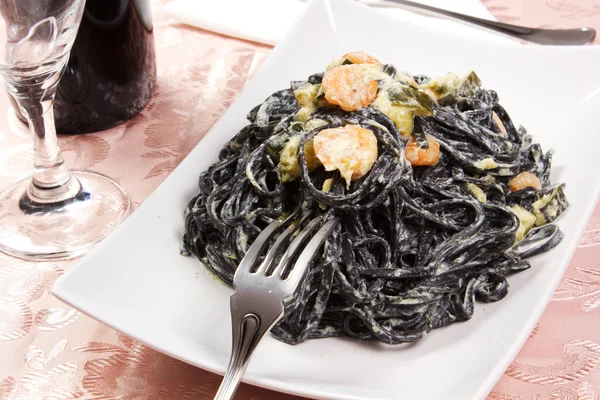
51 351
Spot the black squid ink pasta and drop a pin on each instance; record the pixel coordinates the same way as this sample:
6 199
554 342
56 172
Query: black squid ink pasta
419 240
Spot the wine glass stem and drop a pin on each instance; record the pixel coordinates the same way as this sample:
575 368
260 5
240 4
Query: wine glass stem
51 181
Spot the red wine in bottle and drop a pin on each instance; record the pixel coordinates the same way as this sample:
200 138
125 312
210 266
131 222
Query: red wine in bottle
111 73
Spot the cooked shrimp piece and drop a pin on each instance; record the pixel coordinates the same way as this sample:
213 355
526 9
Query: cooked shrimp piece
360 57
348 87
351 149
500 124
419 157
523 180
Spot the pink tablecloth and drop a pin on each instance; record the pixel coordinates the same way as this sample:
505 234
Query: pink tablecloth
50 351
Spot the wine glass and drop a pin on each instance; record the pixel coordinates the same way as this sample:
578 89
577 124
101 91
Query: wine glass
57 213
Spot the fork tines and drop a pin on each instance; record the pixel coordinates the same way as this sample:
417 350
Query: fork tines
284 258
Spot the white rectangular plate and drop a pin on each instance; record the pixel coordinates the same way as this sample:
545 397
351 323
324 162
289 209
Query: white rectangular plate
137 282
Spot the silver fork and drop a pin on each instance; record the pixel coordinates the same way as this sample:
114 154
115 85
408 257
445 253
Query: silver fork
262 293
564 37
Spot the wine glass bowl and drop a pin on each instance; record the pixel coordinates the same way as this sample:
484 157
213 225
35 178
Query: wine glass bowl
57 213
36 37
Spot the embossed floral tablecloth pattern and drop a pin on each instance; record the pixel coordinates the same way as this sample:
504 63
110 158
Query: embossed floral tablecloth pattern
50 351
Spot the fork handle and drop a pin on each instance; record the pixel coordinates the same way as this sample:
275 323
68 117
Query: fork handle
533 35
246 333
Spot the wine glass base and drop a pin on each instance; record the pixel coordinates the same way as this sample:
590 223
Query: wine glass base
66 229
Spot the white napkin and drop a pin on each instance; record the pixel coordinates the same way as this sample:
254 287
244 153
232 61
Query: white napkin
267 21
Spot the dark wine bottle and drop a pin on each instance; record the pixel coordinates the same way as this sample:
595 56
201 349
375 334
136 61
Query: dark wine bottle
111 72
